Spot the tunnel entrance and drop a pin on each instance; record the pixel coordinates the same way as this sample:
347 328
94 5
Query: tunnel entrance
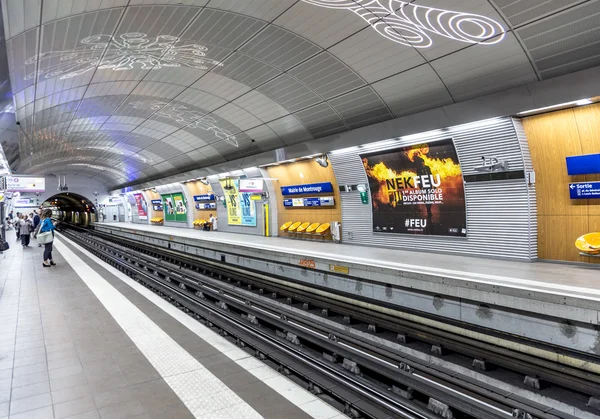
71 207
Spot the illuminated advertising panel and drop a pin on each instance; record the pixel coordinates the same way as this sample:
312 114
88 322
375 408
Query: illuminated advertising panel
417 189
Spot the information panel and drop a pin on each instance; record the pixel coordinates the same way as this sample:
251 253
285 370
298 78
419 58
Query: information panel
584 190
157 205
417 189
25 184
320 201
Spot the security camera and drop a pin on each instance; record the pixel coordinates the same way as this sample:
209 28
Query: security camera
18 123
323 162
204 181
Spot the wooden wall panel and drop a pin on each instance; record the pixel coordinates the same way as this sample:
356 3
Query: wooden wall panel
198 188
552 137
302 172
150 195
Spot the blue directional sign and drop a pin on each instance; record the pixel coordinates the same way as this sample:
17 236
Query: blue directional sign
584 190
583 165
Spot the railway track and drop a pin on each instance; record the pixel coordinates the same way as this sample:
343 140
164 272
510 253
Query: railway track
366 363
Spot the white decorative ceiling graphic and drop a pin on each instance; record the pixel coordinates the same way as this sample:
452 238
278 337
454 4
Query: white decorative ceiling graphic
408 24
119 53
183 115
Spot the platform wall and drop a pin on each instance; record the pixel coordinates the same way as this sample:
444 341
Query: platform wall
500 214
552 137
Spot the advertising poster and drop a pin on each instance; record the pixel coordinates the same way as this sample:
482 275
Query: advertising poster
179 204
234 213
248 207
417 190
141 206
169 208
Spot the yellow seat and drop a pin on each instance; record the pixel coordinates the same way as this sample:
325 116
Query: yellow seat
311 228
302 227
322 229
293 227
285 226
589 243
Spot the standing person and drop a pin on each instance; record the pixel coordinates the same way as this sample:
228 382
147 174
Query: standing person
36 222
47 226
213 222
10 215
25 227
17 225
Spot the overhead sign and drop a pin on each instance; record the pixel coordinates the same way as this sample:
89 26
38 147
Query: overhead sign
417 189
25 202
583 165
584 190
321 201
251 185
25 184
324 187
205 197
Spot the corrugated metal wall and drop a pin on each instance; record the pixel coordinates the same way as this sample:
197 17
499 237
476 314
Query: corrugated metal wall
500 214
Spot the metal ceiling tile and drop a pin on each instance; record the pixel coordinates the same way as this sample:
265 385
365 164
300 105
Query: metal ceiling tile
222 29
260 9
20 15
327 76
374 57
261 106
199 102
361 107
246 70
520 12
323 26
56 9
290 130
158 24
413 90
239 117
280 48
321 120
289 92
220 86
467 73
265 137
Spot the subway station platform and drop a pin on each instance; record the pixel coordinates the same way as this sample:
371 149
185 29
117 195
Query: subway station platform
81 340
574 282
531 300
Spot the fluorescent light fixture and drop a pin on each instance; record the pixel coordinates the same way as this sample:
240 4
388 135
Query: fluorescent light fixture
580 102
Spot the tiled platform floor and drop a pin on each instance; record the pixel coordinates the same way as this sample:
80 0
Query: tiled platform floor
63 354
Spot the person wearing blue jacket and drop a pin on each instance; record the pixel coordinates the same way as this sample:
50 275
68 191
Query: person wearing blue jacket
47 225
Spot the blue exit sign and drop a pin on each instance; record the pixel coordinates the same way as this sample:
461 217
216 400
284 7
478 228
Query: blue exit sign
584 190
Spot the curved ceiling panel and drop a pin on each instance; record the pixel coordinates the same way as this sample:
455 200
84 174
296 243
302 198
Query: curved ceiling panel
132 90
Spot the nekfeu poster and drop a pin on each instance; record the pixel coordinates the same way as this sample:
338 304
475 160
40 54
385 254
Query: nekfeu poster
417 189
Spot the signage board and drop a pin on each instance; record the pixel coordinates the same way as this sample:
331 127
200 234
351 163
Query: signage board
25 202
309 188
210 205
583 165
142 207
205 197
584 190
318 201
417 189
25 184
157 204
251 185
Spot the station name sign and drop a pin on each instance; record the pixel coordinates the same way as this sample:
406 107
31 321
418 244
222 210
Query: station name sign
584 190
25 184
324 187
203 198
321 201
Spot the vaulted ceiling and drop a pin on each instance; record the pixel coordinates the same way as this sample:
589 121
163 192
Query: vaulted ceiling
131 90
